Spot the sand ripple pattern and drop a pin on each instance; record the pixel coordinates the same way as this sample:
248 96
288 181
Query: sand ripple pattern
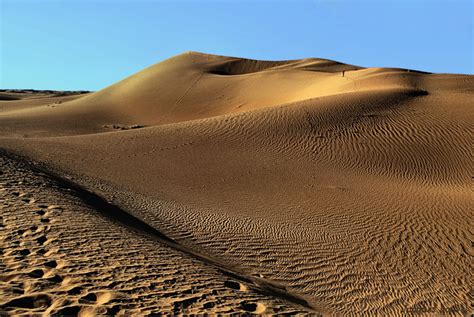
374 215
60 257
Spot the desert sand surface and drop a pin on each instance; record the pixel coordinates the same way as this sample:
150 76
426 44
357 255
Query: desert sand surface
55 262
307 186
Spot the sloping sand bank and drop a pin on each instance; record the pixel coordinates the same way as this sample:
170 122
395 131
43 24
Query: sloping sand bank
65 251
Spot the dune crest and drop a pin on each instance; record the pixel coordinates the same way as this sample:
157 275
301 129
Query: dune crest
194 86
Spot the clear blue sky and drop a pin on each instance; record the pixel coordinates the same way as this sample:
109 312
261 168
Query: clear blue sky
91 44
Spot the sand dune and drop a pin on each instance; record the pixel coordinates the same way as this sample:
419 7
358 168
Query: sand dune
194 86
340 188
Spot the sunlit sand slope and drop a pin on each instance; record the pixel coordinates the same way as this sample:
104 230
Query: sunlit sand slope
348 187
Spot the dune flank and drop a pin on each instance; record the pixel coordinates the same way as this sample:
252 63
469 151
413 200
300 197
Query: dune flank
306 186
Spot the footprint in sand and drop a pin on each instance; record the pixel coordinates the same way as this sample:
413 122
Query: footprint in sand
55 279
76 290
99 297
40 212
45 220
254 308
37 273
51 264
41 240
29 302
236 285
24 252
90 297
95 302
28 200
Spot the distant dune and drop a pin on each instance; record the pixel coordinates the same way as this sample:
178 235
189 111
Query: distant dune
302 186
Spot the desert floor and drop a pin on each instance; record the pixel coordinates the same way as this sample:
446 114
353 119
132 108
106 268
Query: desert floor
217 184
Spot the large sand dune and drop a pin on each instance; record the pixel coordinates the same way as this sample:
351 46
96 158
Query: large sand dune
339 188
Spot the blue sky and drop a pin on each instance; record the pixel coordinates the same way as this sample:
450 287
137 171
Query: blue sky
90 44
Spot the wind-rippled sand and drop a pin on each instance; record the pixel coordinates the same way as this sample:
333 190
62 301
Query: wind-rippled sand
66 252
319 186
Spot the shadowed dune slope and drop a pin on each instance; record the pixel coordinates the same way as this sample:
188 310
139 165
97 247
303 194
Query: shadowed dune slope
351 191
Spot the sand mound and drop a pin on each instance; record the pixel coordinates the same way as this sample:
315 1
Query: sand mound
192 86
330 186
